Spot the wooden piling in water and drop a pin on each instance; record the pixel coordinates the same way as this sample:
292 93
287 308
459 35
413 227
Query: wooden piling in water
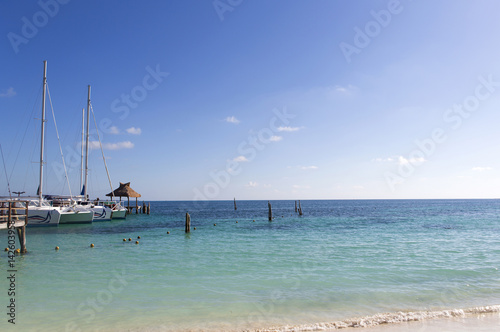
300 209
149 208
235 208
270 214
21 234
295 206
188 223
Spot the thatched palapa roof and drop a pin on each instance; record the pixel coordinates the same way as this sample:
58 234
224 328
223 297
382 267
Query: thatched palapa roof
124 191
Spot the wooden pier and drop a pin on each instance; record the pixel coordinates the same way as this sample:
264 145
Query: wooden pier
14 215
124 190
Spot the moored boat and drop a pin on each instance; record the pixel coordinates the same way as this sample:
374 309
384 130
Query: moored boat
40 211
117 210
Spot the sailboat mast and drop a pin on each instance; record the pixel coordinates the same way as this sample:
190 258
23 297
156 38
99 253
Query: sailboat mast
81 153
87 147
40 197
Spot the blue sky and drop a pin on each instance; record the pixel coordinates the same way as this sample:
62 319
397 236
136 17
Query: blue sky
257 99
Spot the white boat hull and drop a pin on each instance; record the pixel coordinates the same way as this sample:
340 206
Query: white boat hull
102 213
43 216
119 214
80 216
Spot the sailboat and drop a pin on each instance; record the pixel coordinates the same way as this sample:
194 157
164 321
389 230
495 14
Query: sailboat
40 211
119 212
100 212
71 212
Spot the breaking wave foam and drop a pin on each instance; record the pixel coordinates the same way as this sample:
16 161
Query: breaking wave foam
386 318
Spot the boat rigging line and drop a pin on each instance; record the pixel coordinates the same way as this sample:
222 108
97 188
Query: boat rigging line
5 170
59 141
102 151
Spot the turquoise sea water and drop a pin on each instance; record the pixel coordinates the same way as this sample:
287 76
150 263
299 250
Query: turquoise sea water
341 259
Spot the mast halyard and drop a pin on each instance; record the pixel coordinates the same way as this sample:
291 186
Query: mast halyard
87 147
81 153
40 196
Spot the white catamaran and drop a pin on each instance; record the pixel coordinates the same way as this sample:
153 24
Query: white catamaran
40 211
102 210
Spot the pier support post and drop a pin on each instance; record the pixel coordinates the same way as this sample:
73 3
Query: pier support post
300 209
295 206
235 208
188 223
270 213
21 234
149 207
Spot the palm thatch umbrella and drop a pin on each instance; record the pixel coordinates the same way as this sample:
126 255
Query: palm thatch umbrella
124 190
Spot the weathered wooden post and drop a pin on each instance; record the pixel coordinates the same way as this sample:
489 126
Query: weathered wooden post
235 208
21 234
300 209
149 208
188 223
295 206
21 231
270 211
143 207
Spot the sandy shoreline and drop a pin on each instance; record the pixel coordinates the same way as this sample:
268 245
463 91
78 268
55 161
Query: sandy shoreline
475 322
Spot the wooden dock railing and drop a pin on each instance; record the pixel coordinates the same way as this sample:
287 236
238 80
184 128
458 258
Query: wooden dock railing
14 215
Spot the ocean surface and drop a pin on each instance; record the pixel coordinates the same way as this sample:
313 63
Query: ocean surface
341 259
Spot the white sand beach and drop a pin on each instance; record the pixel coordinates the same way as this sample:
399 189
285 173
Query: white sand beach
476 323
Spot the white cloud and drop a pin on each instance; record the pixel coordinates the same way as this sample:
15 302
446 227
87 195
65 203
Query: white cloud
240 159
288 129
252 184
415 161
482 169
401 160
305 168
344 90
93 145
114 130
134 131
232 119
275 138
8 93
296 186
